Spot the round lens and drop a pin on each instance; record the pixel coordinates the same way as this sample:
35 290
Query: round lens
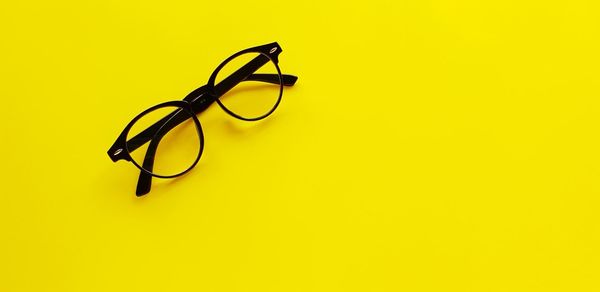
258 94
172 141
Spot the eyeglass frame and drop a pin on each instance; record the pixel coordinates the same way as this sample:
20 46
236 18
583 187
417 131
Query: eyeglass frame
194 103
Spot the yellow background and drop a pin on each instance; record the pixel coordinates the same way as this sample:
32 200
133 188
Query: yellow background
427 146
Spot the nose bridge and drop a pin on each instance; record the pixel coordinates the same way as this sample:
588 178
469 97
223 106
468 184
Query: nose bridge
197 93
200 99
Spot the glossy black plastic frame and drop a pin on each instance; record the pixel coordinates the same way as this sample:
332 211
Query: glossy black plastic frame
194 103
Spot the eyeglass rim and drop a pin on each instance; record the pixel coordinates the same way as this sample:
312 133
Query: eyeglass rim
271 51
184 105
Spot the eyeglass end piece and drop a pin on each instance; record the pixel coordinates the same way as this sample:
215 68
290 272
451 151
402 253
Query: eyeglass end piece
116 154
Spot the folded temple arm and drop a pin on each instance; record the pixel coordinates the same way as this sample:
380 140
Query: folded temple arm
200 102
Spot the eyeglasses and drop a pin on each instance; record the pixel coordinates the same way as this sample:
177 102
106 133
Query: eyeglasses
166 140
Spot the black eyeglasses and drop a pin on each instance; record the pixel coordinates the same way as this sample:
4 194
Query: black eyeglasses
248 86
